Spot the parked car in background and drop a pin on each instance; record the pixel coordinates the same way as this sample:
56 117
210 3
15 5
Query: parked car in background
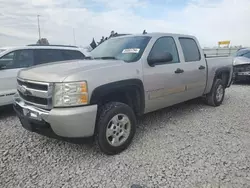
13 59
241 65
125 77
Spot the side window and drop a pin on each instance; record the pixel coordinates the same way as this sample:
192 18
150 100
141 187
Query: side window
165 44
247 55
190 49
17 59
72 54
47 56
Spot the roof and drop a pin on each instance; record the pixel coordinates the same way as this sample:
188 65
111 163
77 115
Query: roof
157 34
244 49
39 47
52 45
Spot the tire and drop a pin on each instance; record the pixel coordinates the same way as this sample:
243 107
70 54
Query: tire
117 120
211 98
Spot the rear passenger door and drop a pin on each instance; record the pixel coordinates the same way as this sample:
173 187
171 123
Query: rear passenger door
194 65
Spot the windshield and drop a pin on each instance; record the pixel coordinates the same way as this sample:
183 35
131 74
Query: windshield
128 49
244 53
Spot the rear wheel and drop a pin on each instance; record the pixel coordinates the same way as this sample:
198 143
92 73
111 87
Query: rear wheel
216 96
116 127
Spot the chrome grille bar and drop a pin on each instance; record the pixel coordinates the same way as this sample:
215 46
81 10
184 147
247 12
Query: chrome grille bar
36 93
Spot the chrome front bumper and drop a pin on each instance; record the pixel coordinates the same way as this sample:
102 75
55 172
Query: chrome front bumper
73 122
243 73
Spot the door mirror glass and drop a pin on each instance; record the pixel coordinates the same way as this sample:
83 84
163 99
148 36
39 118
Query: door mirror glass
159 58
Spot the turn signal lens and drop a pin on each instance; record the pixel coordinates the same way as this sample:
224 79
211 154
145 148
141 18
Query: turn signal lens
83 87
84 98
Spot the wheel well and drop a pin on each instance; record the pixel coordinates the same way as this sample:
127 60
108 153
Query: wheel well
129 95
224 76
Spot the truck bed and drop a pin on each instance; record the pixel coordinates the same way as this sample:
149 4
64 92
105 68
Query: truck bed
213 63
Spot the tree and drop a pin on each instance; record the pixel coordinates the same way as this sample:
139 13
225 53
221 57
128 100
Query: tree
93 44
43 41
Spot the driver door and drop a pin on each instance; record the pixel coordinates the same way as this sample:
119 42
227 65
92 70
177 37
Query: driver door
10 64
164 82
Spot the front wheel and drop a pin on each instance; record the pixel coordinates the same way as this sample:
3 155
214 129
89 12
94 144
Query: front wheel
217 93
116 125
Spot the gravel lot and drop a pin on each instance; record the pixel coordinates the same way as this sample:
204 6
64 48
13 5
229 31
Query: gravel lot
188 145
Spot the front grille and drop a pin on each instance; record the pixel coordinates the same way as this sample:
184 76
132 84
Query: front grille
36 93
242 68
33 85
32 99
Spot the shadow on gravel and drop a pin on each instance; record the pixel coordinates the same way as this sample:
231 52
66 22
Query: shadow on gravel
6 111
245 83
162 117
146 123
181 108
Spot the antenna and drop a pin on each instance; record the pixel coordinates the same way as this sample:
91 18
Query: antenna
38 24
74 36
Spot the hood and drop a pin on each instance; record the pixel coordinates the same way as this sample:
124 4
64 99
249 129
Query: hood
241 61
58 71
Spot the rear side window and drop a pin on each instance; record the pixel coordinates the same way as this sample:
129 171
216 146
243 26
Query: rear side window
190 49
72 54
47 56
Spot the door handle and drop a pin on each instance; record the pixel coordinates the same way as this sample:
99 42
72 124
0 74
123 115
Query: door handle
201 67
178 71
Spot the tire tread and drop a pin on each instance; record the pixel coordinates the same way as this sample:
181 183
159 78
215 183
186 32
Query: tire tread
210 97
101 117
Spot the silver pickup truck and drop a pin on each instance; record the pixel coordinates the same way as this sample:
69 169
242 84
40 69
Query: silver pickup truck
125 77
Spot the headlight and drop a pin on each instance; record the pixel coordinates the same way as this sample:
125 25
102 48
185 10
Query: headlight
70 94
234 62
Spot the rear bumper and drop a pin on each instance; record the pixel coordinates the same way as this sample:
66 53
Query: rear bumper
75 122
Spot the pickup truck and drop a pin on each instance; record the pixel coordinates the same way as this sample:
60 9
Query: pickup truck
125 77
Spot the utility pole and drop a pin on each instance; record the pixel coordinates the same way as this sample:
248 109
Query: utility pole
38 22
74 36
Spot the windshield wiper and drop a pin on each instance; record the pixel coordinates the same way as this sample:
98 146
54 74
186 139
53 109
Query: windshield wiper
106 57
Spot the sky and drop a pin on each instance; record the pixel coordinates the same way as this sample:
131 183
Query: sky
209 20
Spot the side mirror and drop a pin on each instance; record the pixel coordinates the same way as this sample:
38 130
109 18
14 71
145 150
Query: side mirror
159 58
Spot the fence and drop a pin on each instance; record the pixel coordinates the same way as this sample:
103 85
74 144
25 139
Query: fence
220 51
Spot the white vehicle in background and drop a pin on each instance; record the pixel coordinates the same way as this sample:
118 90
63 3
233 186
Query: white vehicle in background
13 59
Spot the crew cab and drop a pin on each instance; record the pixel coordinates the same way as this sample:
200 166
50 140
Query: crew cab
125 77
13 59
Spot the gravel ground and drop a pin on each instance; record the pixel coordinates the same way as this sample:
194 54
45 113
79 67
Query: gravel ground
188 145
